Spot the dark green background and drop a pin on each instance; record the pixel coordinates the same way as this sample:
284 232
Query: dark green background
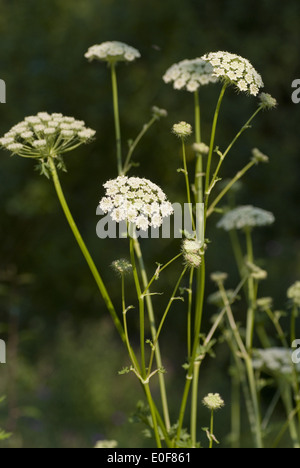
62 385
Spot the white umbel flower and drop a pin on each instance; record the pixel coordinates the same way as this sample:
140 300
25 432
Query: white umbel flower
190 75
275 361
46 135
245 217
137 201
112 51
235 69
293 293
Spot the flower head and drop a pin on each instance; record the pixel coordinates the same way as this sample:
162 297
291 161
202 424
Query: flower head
122 266
138 201
275 361
219 277
264 303
267 101
190 75
112 52
236 70
182 130
46 135
213 401
259 157
245 217
192 253
201 148
293 293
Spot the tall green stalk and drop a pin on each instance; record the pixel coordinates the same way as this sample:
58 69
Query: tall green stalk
117 117
85 251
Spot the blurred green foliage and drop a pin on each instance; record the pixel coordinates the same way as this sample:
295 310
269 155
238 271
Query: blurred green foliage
63 382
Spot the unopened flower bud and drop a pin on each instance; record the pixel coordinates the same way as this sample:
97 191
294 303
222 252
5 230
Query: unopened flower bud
201 148
122 266
159 113
267 101
213 401
259 157
219 277
182 129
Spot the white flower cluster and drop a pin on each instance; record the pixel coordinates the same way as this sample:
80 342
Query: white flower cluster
236 69
137 201
113 51
245 216
192 253
190 75
294 293
213 401
274 360
182 129
45 135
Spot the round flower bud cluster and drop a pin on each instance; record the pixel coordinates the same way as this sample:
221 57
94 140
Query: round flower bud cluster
201 148
122 266
267 101
46 135
137 201
219 277
192 253
245 217
259 157
190 75
274 360
112 52
264 303
256 272
182 130
159 113
235 69
294 293
213 401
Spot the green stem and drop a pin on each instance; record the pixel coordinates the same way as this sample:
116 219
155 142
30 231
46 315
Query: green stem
223 156
189 315
199 162
194 405
293 323
251 293
164 318
129 348
85 251
211 429
213 136
288 403
151 316
198 321
116 117
243 129
237 177
153 415
187 183
257 433
135 144
141 307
